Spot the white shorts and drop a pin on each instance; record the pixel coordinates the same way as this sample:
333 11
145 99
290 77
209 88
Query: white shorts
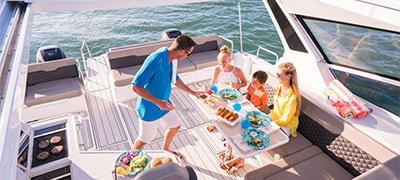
148 130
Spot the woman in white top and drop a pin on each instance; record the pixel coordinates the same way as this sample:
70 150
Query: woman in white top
226 73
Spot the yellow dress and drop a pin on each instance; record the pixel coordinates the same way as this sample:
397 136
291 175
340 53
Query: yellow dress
285 109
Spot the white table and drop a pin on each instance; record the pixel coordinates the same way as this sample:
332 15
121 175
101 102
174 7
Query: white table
277 138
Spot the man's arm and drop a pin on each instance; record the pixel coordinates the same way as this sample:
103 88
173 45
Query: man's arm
142 92
181 85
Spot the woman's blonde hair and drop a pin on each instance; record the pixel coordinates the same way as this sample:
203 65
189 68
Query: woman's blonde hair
225 51
289 68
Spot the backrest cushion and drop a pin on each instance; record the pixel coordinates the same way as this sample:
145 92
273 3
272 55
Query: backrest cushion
50 71
134 55
207 46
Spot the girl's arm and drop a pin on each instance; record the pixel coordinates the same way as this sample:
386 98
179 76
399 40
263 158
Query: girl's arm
239 73
213 79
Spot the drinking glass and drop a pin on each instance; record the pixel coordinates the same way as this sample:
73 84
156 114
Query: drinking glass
245 124
214 89
237 107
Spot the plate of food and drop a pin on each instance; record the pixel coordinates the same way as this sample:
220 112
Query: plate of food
230 94
131 162
228 115
255 138
258 119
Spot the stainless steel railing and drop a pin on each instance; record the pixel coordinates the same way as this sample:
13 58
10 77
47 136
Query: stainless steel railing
226 39
269 51
84 44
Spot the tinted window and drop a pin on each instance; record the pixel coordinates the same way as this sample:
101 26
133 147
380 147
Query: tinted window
380 93
361 48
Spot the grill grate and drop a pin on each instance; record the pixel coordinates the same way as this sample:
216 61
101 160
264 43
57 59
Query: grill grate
52 157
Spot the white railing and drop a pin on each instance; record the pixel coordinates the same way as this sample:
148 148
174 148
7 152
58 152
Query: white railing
83 54
269 51
226 39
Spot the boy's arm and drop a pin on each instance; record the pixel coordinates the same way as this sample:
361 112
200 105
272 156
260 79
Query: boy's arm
264 102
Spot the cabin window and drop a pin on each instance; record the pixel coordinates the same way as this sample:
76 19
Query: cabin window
382 94
360 48
364 50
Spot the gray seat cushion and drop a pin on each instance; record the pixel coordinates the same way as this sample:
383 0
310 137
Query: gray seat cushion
309 163
388 170
124 76
126 61
294 145
52 91
205 59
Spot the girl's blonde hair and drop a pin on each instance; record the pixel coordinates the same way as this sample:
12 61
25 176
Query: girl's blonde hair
225 51
290 69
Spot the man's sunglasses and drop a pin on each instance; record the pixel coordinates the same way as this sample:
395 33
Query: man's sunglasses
188 54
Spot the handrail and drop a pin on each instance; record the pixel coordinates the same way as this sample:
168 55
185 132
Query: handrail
269 51
83 54
240 28
9 36
226 39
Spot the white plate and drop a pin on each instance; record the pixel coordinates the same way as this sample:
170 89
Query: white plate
241 116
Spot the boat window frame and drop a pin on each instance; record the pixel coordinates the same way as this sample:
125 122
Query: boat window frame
311 35
291 37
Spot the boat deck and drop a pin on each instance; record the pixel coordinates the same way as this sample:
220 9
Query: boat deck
114 126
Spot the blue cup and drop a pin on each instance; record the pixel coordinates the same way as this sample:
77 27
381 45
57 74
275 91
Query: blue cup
245 124
237 107
214 89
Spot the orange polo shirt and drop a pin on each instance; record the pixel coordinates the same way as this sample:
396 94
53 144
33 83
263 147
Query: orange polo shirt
257 96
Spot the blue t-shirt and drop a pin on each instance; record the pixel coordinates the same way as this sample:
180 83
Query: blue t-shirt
155 76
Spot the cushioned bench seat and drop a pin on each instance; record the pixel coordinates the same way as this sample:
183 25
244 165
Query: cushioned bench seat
294 145
309 163
51 81
390 169
52 91
204 59
126 61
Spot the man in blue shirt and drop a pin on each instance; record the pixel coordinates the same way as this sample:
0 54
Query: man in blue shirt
153 85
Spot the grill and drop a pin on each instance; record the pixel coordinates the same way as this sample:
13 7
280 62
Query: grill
52 157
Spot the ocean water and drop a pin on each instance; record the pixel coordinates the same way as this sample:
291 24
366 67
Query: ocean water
103 29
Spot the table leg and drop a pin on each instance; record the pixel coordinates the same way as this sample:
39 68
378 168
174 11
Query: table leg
228 152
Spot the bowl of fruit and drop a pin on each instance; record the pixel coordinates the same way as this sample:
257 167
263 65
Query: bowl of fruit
131 162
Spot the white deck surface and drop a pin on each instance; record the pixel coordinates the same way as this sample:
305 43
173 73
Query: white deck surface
111 128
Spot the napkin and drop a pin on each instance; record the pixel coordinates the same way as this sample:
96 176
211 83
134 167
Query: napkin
272 127
174 69
237 139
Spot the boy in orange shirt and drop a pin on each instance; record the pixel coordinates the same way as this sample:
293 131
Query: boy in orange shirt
257 94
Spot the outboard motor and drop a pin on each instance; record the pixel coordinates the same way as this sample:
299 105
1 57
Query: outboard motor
49 53
170 34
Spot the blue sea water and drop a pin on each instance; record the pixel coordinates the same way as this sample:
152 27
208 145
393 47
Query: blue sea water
103 29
